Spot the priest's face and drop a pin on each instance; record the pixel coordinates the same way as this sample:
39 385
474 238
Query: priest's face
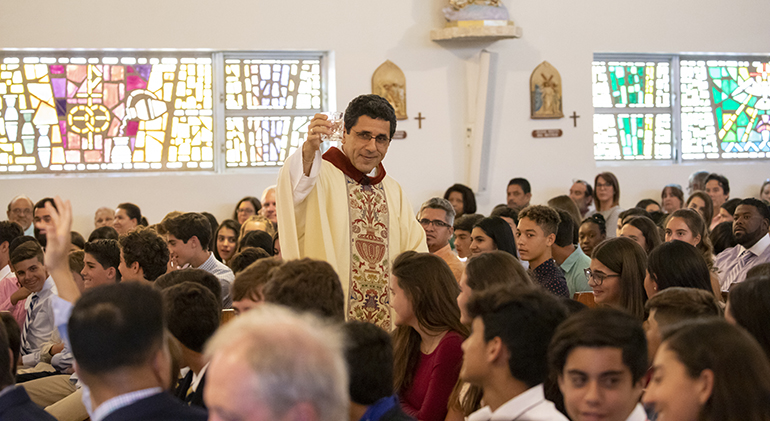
367 143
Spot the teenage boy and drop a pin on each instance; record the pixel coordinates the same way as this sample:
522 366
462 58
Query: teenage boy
569 256
143 255
249 285
188 237
12 294
599 357
28 263
192 314
674 305
369 355
505 354
463 227
536 233
101 261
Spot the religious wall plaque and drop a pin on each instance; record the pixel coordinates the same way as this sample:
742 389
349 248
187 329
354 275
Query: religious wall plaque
389 82
546 133
399 134
545 92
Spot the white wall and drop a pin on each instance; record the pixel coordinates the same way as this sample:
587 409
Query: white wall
363 34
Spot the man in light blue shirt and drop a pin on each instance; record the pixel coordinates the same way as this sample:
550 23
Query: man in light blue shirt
568 256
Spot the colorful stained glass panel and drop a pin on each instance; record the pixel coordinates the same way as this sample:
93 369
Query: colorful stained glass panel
725 109
261 84
632 136
64 114
263 141
619 84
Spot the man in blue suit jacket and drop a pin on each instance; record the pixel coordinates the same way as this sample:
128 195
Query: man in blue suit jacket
117 337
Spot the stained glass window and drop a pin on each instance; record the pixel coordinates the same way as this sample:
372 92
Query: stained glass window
269 103
273 84
74 112
619 132
101 114
632 136
725 108
263 141
722 112
631 84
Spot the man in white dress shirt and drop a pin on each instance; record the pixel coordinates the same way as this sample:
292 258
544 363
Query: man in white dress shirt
506 353
28 263
600 359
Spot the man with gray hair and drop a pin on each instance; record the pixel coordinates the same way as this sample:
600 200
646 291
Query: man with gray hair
437 217
272 363
20 212
697 182
268 205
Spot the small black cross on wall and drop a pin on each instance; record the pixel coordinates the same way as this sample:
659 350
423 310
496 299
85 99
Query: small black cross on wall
574 117
419 119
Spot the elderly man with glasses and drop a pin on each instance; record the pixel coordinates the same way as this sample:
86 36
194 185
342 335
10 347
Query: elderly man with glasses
437 217
20 212
341 207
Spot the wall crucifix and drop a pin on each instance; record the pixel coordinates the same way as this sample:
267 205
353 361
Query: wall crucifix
419 119
574 118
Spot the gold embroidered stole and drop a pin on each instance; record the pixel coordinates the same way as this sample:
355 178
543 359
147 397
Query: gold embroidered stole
368 297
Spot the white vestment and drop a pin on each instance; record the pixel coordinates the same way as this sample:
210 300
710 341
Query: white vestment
329 216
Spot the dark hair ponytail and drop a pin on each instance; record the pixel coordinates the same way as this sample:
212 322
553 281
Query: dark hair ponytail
134 212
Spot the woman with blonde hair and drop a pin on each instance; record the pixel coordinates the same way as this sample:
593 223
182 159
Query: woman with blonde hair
256 222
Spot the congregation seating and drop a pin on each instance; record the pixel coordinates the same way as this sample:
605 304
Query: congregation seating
586 298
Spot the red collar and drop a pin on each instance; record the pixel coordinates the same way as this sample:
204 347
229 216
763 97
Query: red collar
337 158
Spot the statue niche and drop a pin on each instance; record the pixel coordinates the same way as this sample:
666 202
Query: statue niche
475 10
389 82
545 92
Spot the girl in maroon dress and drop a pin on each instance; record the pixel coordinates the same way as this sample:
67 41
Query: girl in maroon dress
428 335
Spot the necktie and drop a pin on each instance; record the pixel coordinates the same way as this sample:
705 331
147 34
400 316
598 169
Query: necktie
25 345
187 398
746 257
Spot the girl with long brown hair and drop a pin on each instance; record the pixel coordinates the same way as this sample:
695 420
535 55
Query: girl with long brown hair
428 335
688 225
616 275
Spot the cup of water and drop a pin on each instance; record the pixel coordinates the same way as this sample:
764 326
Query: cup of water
338 127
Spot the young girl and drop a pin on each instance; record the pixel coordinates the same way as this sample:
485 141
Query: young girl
709 370
593 230
428 335
491 234
616 275
688 225
226 237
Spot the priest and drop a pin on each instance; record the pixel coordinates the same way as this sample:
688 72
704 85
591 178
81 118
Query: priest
343 208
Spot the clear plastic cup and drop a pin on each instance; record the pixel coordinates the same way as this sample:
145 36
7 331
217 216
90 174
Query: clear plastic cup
338 127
